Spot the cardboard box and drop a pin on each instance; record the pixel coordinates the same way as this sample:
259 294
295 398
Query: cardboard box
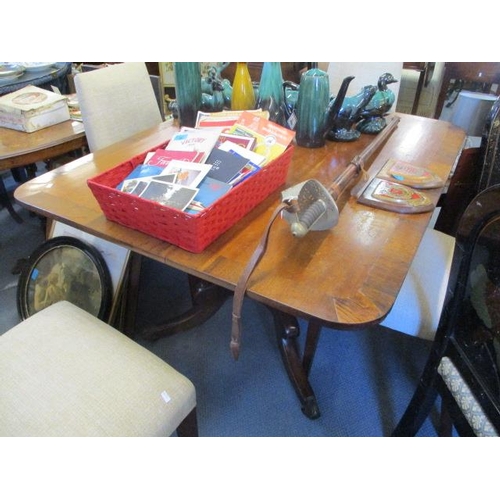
32 108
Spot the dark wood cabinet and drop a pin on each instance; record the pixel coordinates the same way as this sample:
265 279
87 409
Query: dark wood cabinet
478 76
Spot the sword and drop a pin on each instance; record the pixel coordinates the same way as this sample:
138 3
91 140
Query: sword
313 207
308 206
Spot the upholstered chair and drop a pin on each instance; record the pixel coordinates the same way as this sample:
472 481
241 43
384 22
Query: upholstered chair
66 373
116 102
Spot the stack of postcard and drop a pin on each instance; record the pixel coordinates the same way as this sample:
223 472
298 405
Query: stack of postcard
200 165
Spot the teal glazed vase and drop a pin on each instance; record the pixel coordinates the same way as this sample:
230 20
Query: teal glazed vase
313 109
187 91
271 92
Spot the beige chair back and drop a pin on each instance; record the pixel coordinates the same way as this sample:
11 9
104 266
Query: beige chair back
116 102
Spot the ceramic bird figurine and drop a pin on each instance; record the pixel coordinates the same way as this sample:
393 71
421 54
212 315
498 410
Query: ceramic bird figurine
213 100
373 120
212 90
349 114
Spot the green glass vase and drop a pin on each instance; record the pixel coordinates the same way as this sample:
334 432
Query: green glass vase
312 109
187 91
271 92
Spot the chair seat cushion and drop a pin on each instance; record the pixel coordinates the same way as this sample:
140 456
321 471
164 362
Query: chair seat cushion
420 301
63 372
465 399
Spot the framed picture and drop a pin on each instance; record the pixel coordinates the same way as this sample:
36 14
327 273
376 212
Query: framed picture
167 73
65 268
115 256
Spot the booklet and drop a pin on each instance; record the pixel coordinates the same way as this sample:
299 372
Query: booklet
163 157
223 120
169 194
186 173
271 139
139 172
190 139
209 191
248 170
255 158
225 165
239 140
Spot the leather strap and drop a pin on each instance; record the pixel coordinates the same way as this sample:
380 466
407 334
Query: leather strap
241 286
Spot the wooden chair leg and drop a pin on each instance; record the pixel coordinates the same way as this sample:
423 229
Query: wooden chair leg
189 426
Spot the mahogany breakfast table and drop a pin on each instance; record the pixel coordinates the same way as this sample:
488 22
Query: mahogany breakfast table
347 277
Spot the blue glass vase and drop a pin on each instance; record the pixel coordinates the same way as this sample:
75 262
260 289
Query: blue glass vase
271 92
187 91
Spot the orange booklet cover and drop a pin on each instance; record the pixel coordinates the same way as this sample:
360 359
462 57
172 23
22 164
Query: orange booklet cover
271 139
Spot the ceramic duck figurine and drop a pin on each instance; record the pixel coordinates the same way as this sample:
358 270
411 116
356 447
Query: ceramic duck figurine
212 88
373 120
349 114
213 100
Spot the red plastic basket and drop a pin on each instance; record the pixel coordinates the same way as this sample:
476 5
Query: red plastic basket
192 232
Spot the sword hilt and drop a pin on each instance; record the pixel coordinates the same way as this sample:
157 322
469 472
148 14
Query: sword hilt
314 209
312 213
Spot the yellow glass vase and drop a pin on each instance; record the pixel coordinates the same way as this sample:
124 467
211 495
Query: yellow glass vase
243 96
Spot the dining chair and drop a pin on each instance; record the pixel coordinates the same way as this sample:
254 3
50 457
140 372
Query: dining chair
66 373
463 366
116 102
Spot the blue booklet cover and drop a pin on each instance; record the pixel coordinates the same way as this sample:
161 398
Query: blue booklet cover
141 171
209 191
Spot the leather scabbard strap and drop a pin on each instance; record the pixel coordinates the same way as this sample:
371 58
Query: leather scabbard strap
241 286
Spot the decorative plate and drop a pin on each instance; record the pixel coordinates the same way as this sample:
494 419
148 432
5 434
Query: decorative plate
10 71
37 66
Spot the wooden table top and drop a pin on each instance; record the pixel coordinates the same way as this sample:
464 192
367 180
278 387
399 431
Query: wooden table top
19 148
346 277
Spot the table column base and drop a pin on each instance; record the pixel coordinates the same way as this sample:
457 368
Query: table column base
288 331
5 201
206 298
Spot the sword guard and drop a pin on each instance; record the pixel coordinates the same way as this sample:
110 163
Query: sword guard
314 208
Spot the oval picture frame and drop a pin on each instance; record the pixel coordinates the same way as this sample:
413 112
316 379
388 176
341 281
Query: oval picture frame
65 268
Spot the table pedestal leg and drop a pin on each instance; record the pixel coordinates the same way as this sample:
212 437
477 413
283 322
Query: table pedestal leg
287 330
206 298
5 201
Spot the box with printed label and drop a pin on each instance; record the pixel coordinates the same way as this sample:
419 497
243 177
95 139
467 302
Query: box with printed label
32 108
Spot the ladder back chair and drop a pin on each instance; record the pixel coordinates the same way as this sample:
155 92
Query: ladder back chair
464 363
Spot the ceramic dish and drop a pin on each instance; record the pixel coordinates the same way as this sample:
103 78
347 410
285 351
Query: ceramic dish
10 71
37 66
